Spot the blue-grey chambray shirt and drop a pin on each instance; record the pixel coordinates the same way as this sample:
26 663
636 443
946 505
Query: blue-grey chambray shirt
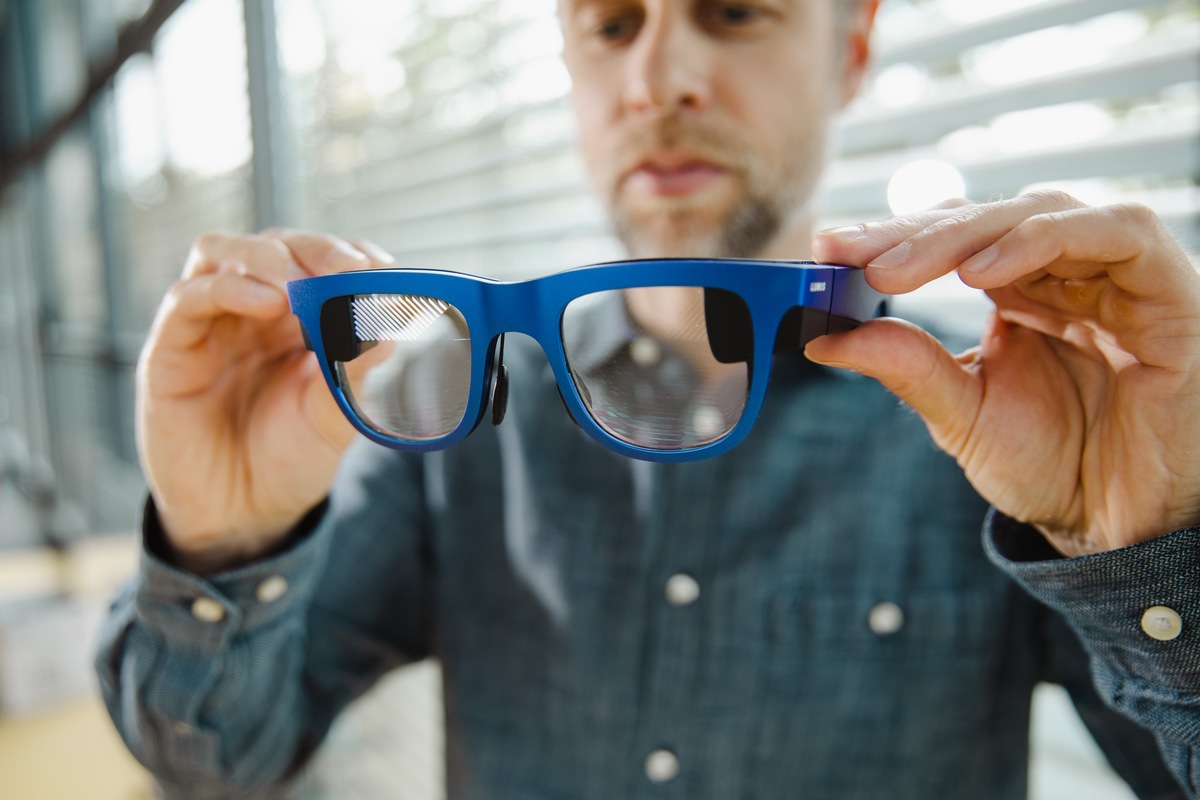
851 637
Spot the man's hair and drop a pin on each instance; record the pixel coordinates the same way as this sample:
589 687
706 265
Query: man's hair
845 11
843 14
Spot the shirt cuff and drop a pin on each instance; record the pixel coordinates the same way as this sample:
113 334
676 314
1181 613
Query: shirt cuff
205 613
1137 608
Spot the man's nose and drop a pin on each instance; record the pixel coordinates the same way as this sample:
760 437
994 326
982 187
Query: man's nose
669 68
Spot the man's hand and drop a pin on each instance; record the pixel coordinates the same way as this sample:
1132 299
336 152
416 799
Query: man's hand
237 433
1079 412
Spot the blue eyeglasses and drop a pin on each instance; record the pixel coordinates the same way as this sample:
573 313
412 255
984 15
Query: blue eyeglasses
662 360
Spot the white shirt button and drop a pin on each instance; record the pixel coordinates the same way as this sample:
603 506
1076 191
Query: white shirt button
708 421
645 351
1162 623
885 618
271 589
682 589
662 766
206 609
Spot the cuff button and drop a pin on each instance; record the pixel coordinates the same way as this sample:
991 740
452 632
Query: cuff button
1162 623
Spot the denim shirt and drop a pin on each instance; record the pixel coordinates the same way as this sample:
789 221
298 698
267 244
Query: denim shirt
850 638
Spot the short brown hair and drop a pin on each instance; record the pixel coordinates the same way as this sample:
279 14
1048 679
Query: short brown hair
845 10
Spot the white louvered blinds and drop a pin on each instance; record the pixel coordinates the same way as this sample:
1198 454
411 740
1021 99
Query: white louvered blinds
440 130
1098 96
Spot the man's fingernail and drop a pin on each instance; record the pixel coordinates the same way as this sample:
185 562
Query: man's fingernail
348 250
834 364
848 233
981 260
896 257
376 252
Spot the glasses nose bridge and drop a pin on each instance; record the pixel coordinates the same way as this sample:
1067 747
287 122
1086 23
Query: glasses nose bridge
514 308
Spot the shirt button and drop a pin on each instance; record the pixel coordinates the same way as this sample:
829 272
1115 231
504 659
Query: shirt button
682 589
708 421
1162 623
645 352
885 619
271 589
662 766
206 609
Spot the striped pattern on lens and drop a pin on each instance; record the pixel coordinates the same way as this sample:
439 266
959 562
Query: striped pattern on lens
395 317
411 379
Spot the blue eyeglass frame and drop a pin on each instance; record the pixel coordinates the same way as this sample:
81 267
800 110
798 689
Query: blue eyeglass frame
535 307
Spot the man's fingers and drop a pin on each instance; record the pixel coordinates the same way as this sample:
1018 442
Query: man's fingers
953 202
1084 243
234 276
190 306
1023 239
380 258
279 255
318 254
856 245
905 253
916 367
267 260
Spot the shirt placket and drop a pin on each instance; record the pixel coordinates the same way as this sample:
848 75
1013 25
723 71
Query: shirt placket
665 755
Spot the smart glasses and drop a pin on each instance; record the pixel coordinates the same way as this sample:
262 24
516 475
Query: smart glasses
662 360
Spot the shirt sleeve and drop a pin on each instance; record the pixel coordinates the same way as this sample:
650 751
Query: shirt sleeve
222 687
1137 612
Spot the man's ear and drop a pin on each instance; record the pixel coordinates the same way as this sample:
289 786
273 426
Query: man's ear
857 50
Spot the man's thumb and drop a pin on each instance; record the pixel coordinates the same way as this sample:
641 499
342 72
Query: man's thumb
916 367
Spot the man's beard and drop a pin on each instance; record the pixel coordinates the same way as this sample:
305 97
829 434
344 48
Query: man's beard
769 196
743 232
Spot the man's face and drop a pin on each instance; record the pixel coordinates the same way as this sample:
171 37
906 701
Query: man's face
702 123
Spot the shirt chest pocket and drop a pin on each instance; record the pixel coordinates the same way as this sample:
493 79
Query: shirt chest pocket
855 689
918 664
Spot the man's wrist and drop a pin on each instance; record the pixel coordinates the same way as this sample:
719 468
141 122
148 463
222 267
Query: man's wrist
1111 598
227 554
203 612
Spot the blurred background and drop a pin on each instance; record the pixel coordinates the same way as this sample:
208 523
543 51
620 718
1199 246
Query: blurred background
437 129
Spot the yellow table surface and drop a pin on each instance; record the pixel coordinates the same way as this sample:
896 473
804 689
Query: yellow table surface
71 752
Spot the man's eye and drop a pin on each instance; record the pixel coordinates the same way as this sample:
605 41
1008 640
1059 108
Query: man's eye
732 15
615 30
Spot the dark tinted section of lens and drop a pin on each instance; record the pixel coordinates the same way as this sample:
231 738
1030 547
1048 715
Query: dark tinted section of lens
403 360
644 364
729 327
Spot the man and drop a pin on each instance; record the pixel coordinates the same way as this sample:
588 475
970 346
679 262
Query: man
810 614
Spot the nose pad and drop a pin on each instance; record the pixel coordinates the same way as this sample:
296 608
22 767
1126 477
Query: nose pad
567 408
499 394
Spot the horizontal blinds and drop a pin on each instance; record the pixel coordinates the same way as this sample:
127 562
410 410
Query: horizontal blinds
1120 113
468 162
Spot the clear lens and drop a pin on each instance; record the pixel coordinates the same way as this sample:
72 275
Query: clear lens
403 360
665 368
